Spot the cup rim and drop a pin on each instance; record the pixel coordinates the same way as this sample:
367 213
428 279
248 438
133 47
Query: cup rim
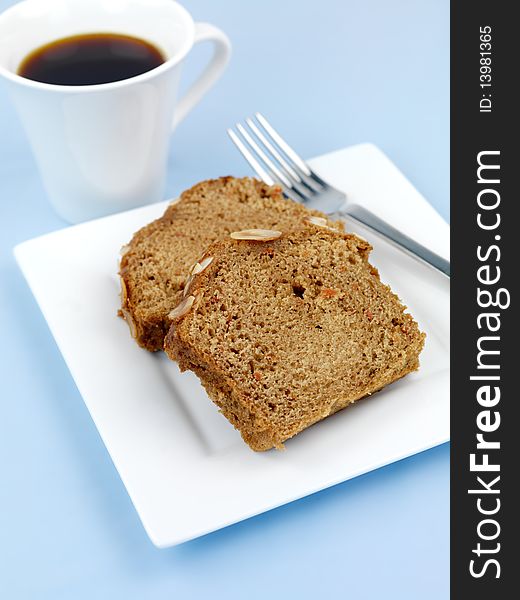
113 85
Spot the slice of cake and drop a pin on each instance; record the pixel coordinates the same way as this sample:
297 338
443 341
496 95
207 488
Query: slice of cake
284 330
155 264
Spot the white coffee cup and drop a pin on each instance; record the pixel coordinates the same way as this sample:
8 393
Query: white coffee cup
103 148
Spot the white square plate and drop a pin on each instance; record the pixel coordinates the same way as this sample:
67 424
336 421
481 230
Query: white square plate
185 467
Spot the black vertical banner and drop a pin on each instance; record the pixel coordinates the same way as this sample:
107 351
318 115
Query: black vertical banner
485 170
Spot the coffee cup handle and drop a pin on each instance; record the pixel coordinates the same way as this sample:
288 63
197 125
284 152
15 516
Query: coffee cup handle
205 32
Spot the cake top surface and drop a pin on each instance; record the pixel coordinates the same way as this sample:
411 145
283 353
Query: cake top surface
155 264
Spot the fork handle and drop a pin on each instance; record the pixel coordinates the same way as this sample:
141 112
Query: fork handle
395 237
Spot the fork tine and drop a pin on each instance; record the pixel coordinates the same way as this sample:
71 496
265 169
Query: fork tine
257 167
309 179
259 152
309 184
296 185
290 153
288 169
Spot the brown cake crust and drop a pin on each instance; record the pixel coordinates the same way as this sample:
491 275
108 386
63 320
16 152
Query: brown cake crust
155 263
285 333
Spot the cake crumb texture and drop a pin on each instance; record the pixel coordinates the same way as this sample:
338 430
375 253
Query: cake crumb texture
284 333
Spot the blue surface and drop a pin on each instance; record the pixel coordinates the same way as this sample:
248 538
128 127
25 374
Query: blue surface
336 74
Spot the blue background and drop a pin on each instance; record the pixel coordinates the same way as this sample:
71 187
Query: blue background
328 74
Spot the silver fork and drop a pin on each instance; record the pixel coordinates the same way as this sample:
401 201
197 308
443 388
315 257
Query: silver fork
275 162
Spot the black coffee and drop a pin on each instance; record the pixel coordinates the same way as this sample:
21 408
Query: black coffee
91 59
